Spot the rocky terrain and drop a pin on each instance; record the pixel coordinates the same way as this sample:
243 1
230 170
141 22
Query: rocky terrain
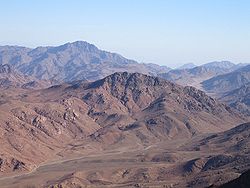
127 129
231 88
238 98
45 66
228 156
225 81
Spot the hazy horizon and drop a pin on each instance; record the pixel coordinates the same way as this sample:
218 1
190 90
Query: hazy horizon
168 33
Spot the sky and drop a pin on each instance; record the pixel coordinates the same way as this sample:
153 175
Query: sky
166 32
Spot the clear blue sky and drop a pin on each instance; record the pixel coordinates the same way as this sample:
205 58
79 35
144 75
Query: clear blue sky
167 32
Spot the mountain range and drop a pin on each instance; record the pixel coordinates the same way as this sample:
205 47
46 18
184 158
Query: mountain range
75 116
224 80
10 78
83 61
123 112
71 61
197 75
232 88
228 82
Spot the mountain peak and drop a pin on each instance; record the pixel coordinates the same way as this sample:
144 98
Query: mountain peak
126 79
78 46
187 66
220 64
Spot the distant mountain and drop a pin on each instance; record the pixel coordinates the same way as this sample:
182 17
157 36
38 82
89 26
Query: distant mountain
238 98
232 88
187 66
228 82
220 64
196 75
72 61
156 69
11 78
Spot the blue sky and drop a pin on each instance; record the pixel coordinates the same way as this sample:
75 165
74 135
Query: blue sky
167 32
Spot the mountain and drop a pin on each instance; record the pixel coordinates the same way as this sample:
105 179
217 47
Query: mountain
220 64
238 98
149 108
187 66
11 78
228 82
123 111
195 76
232 88
156 69
69 62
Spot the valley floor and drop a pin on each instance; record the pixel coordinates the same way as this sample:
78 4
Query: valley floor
162 164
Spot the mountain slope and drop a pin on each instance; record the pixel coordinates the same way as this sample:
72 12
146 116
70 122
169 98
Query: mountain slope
128 110
228 157
228 82
11 78
72 61
33 131
149 109
232 88
207 160
238 98
241 182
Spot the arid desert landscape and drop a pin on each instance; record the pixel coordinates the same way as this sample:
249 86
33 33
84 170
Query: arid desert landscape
117 94
125 130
